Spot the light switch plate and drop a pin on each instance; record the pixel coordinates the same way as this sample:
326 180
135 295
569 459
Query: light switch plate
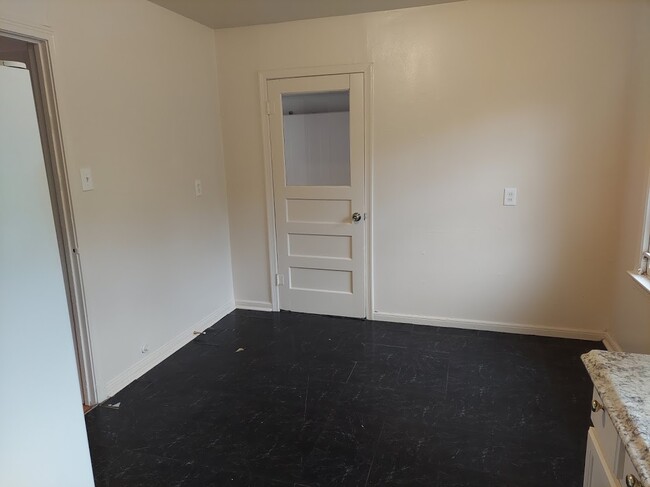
510 197
87 183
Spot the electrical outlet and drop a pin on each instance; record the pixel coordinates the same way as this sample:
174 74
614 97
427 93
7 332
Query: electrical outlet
510 197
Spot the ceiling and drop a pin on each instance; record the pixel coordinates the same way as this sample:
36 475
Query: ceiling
236 13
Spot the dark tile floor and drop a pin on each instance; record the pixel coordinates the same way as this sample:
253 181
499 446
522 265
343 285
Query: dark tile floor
314 400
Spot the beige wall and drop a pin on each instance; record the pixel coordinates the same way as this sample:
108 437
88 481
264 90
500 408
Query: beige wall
136 90
469 98
631 314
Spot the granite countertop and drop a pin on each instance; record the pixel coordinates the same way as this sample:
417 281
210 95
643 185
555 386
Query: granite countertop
623 382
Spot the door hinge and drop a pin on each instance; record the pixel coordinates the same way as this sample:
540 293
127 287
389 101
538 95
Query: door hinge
268 108
279 279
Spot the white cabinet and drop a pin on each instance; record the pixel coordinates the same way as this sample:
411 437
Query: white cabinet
628 474
605 432
597 472
607 464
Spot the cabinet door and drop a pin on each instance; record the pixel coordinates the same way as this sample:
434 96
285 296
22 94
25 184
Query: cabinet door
628 469
607 437
597 473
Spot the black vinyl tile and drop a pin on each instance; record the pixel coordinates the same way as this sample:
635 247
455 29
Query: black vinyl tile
345 449
377 365
292 399
134 469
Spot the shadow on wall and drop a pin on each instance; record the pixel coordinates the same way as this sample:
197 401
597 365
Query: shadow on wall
13 50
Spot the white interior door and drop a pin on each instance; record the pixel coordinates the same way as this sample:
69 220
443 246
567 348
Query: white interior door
34 311
318 151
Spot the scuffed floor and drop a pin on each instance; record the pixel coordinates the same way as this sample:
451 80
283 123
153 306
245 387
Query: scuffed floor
314 400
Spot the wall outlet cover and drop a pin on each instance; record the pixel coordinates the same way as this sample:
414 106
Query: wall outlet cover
510 197
87 183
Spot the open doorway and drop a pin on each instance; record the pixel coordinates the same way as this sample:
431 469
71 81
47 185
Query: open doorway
27 82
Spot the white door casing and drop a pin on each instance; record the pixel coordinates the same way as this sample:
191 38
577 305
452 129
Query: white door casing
321 250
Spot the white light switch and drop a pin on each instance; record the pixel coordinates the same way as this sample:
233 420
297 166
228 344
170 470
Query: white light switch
510 197
87 183
198 189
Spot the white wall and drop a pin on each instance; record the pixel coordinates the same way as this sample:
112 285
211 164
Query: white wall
43 439
469 98
631 314
136 91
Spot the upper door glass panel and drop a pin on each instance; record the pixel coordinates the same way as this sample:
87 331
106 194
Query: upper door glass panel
317 138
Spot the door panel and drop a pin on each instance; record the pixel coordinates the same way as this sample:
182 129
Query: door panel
318 211
317 149
330 280
327 246
597 473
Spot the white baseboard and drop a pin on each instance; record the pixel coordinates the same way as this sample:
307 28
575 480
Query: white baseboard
611 344
122 380
253 305
594 335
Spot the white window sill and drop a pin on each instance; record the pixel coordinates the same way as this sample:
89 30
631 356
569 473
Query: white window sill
641 279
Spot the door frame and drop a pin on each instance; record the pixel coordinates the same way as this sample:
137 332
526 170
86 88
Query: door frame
264 76
41 55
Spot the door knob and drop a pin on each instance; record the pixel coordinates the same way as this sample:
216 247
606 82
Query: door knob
631 481
356 217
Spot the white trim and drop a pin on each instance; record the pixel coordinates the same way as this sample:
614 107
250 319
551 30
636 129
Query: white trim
611 344
315 71
254 305
268 183
19 30
645 234
13 64
558 332
369 93
123 379
368 85
642 280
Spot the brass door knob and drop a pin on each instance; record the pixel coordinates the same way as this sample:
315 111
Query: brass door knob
631 481
596 406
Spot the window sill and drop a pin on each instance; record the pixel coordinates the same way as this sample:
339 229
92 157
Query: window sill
642 280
